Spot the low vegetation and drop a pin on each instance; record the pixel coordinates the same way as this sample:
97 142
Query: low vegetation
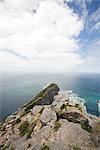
23 128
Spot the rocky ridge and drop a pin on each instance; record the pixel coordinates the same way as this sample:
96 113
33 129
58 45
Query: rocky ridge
51 121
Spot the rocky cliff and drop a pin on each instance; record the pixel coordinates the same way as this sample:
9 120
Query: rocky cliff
51 121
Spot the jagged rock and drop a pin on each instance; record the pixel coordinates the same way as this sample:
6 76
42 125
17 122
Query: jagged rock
48 115
55 123
74 117
36 109
68 136
57 107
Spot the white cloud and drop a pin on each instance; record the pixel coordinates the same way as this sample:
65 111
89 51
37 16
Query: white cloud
46 38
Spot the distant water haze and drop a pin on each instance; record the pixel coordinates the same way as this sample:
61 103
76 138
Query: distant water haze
16 90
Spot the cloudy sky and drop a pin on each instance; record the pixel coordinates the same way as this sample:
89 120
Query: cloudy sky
49 36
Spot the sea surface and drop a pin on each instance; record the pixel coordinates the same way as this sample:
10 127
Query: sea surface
16 90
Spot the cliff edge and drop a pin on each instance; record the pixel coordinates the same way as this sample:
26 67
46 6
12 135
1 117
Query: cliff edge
51 121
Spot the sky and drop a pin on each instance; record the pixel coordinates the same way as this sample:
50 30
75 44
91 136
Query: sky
49 36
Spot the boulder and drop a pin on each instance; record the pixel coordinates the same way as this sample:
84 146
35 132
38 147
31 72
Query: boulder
37 109
70 136
48 115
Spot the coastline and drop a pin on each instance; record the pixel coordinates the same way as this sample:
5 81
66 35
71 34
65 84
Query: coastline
55 112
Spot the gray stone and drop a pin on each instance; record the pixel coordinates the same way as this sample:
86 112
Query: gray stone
36 109
36 147
48 115
68 136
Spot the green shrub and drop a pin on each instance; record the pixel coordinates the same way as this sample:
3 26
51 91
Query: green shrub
57 125
23 128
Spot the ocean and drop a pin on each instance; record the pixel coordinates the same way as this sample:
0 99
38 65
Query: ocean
16 90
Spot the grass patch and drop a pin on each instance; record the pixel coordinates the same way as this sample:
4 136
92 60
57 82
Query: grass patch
57 125
23 128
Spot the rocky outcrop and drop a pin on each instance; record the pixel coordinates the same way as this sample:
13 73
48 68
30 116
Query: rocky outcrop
57 124
44 97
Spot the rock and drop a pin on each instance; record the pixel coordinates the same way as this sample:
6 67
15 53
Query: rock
36 109
36 147
95 135
44 133
55 123
74 117
48 115
44 97
62 96
57 107
70 136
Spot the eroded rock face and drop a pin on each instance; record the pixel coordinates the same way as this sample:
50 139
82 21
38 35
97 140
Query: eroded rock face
45 97
74 117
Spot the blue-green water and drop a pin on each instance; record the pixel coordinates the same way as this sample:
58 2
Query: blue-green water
15 90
